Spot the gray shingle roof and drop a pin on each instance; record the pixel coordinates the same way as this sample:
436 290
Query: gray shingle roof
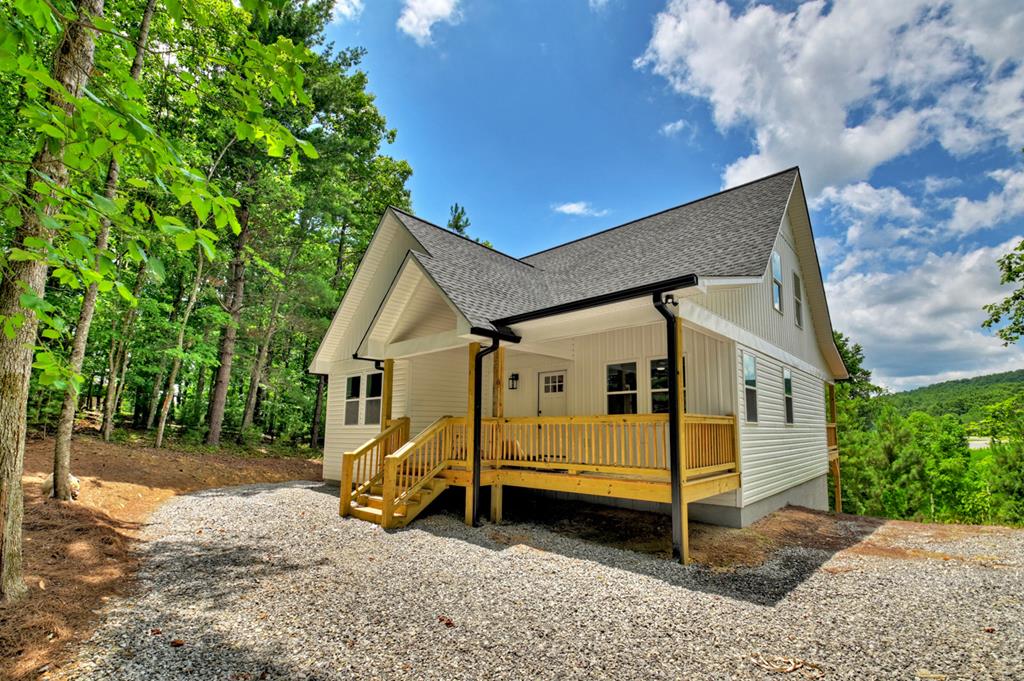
729 234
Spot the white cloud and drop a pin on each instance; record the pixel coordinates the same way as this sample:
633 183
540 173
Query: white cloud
580 208
934 185
923 324
419 16
346 10
841 88
881 223
598 5
998 207
677 127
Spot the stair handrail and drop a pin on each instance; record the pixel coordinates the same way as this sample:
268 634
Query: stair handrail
396 427
391 497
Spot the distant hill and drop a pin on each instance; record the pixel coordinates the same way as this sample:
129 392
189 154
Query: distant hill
966 397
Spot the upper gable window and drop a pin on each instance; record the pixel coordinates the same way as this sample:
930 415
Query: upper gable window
798 301
776 281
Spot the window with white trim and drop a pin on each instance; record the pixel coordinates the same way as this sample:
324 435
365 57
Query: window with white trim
365 391
659 385
750 386
776 281
620 384
787 390
352 385
798 301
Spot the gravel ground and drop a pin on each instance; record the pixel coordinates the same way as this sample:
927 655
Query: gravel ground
267 582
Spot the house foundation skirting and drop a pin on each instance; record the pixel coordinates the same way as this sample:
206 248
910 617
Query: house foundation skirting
811 494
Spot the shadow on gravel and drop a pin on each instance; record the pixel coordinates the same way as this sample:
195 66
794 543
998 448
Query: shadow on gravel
761 564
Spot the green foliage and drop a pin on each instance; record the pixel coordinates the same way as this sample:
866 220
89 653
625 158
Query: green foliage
968 399
1007 315
458 222
899 461
240 107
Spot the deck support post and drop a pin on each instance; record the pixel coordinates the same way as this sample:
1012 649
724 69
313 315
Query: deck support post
474 350
496 502
386 399
833 456
676 425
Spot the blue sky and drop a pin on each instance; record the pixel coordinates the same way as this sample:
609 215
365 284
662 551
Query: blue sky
552 120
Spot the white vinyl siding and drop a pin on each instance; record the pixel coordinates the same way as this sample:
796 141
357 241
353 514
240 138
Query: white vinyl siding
339 438
750 308
777 456
439 386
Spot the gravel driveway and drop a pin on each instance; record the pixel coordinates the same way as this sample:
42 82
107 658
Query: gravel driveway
267 582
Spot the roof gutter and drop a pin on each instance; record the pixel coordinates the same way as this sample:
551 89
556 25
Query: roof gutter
663 303
686 281
378 364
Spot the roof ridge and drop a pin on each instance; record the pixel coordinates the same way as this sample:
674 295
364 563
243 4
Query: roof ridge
661 212
461 236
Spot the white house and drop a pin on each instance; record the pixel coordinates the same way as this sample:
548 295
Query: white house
680 360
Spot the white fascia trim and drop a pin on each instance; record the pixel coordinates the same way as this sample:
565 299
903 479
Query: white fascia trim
701 316
730 281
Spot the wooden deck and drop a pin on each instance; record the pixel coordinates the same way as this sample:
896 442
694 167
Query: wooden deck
624 457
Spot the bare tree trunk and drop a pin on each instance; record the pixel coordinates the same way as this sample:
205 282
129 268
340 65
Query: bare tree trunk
314 438
117 364
66 424
73 61
176 365
230 332
154 397
258 366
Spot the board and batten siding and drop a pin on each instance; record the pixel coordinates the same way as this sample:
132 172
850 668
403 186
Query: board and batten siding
776 456
709 373
339 438
439 387
750 307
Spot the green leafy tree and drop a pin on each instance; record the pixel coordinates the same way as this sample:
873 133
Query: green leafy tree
458 221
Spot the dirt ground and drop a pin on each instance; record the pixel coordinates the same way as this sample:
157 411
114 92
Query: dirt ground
724 548
78 555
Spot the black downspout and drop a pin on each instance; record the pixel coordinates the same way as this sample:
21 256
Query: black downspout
673 426
478 365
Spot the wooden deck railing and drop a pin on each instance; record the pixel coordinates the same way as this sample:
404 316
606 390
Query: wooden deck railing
634 443
366 464
407 470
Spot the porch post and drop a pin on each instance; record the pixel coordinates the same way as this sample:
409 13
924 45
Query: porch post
680 389
386 399
498 387
497 411
474 349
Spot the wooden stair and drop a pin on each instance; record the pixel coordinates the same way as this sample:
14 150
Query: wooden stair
369 506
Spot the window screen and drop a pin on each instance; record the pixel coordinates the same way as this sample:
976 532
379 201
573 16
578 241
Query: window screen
374 387
352 400
787 388
621 388
776 281
750 386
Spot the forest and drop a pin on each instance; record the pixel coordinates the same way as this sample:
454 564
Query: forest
186 190
906 455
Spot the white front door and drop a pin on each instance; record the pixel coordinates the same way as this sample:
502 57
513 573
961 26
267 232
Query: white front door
551 393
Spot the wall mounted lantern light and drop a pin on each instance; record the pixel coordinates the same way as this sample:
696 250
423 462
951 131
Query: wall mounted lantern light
513 381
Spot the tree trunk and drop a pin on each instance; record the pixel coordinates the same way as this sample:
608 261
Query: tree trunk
258 367
176 364
66 423
230 332
117 364
154 397
314 438
72 64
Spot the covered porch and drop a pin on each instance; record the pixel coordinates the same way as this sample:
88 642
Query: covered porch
540 413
